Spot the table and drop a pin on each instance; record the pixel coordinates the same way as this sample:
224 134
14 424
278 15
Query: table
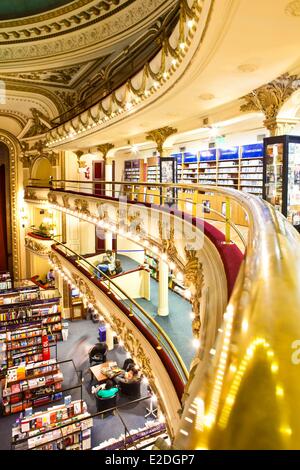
96 372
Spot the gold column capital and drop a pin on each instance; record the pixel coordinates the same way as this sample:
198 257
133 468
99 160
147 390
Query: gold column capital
104 149
270 98
159 136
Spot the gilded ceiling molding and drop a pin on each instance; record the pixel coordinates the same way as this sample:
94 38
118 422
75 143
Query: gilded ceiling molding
30 154
45 16
194 280
13 146
159 136
270 98
130 95
131 15
36 90
63 23
16 115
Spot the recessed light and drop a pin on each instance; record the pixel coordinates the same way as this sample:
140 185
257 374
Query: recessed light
247 68
207 96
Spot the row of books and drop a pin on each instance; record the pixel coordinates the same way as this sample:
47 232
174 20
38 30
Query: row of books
31 370
66 426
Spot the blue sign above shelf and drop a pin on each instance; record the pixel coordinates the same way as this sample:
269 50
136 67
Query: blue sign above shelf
190 157
231 153
178 156
253 151
208 155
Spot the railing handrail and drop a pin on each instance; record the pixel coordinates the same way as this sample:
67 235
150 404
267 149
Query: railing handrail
133 302
260 326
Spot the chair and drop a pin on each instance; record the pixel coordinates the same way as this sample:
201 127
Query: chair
97 354
132 389
103 404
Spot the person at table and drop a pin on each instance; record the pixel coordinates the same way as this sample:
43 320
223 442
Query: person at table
118 268
50 277
109 390
107 266
128 376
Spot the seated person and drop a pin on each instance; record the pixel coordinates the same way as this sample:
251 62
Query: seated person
131 375
109 390
118 268
50 277
98 352
107 266
127 363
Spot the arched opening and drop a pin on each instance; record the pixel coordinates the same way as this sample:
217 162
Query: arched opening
42 169
5 211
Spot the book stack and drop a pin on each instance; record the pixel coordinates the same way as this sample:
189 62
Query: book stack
32 385
62 427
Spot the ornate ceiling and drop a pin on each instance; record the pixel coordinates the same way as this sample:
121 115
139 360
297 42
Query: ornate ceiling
75 50
10 9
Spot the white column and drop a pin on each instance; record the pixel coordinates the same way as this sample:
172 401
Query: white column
108 241
108 176
163 289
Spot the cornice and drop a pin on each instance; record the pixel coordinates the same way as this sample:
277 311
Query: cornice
17 116
76 21
45 16
17 86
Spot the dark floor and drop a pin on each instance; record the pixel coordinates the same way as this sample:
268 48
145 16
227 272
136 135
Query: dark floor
111 426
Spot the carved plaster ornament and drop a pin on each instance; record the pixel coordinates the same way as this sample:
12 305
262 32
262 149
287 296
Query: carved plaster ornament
136 222
102 211
54 258
37 247
65 200
270 98
194 280
159 136
82 206
30 194
104 149
52 198
168 239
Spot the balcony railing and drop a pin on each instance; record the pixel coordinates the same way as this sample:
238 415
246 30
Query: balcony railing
245 394
157 336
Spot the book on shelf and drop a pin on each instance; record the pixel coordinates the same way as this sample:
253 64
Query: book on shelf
56 427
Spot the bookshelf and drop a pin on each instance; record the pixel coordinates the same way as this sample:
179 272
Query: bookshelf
234 167
228 168
208 167
61 427
153 171
251 169
5 281
32 306
132 170
29 343
187 168
31 385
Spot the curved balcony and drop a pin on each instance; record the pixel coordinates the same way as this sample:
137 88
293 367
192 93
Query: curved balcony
157 76
242 392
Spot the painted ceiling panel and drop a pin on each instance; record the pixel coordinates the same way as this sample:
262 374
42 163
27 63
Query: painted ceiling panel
12 9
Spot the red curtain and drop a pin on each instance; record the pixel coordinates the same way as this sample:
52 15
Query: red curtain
3 237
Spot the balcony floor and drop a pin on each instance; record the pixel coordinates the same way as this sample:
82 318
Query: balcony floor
178 324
